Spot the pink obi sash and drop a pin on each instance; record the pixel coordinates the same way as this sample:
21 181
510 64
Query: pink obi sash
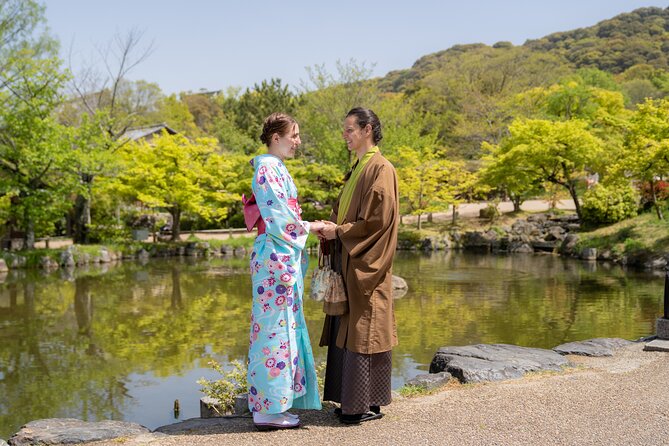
252 217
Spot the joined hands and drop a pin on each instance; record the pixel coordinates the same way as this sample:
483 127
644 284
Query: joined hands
325 230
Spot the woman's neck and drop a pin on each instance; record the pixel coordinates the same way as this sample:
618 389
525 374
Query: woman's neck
274 152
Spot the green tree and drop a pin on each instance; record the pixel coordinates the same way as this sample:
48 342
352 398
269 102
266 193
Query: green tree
464 94
647 146
20 37
325 100
179 175
256 103
318 186
203 108
34 149
557 152
429 183
175 113
103 107
503 177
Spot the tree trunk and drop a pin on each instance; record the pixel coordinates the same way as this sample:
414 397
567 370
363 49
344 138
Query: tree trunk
658 209
516 200
429 217
419 222
455 214
82 211
176 223
29 240
572 192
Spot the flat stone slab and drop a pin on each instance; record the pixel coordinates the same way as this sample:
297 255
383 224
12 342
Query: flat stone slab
592 347
494 362
73 431
430 381
657 345
199 424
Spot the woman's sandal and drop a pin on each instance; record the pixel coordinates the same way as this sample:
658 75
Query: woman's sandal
263 427
270 422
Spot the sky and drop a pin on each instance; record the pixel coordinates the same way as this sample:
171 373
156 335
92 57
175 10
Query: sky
212 45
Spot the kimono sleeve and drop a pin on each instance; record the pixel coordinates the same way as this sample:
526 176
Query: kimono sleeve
271 192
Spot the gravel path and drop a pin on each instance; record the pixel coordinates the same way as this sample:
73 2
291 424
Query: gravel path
620 400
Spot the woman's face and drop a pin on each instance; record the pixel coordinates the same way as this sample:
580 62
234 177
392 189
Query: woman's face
355 137
286 145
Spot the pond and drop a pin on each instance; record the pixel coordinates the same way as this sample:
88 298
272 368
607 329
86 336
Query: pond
124 341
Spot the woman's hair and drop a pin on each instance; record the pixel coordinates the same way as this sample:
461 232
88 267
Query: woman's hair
364 116
280 123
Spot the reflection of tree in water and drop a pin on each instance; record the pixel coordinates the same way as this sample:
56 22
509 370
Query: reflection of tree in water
52 372
83 305
531 300
176 288
69 347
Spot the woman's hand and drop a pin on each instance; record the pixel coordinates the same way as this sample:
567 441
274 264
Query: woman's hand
329 231
315 227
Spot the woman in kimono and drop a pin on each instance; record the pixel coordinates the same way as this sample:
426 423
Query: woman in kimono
281 371
359 362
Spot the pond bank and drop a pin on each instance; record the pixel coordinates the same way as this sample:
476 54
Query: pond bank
622 399
640 242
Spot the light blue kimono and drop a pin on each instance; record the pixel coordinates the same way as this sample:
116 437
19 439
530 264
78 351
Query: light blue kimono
281 372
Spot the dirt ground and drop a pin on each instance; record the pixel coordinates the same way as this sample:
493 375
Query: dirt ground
619 400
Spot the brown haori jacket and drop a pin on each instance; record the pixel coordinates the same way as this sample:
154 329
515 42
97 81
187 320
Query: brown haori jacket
368 236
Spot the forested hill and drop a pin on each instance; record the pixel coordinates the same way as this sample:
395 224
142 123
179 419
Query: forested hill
641 36
614 45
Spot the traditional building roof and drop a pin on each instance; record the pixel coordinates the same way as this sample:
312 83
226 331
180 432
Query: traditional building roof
147 132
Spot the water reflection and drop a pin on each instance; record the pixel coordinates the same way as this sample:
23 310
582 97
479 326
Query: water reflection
124 341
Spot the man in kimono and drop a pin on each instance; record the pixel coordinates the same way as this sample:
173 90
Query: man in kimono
364 236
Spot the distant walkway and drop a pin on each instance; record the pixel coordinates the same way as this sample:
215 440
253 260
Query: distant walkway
471 210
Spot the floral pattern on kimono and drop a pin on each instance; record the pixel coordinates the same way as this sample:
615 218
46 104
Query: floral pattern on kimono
281 370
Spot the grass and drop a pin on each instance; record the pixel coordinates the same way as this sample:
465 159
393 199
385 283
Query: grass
33 257
412 391
644 232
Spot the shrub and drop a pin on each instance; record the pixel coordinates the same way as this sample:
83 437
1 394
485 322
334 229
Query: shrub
409 236
661 193
108 233
609 204
226 389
